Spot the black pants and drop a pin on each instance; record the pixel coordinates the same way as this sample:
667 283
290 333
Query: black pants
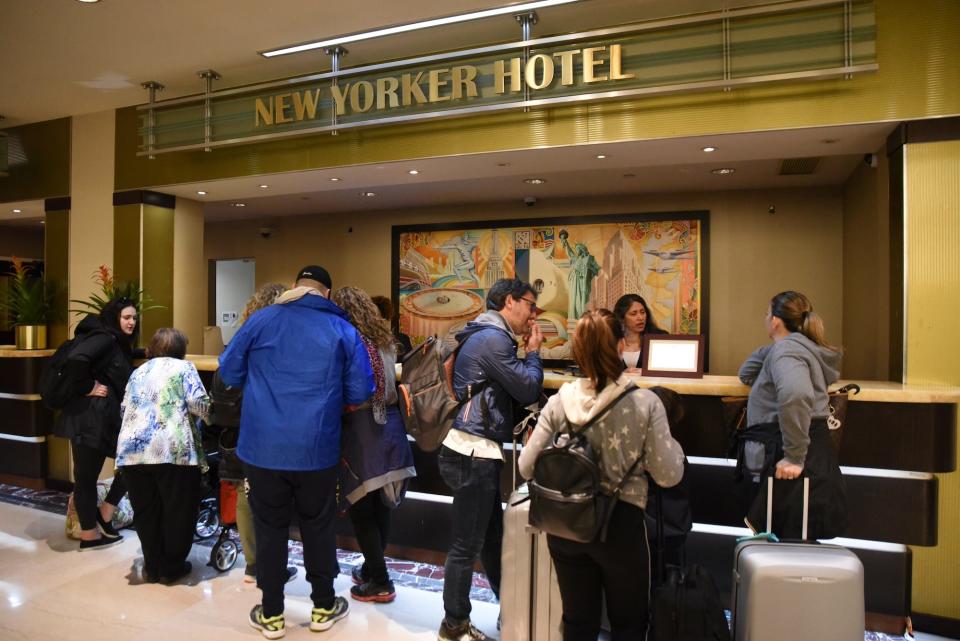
165 499
620 568
274 496
371 525
87 464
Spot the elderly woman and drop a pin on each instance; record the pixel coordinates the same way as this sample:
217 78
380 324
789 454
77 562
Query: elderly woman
159 452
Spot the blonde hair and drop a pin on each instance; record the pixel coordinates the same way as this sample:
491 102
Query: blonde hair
796 312
263 297
364 315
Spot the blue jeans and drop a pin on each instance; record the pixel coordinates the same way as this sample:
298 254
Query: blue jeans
476 531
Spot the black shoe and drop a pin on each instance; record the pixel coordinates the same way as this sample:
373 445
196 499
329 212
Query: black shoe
372 592
179 574
291 573
106 528
358 576
99 544
464 632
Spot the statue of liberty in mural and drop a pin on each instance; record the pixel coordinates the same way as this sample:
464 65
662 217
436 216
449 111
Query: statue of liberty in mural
583 269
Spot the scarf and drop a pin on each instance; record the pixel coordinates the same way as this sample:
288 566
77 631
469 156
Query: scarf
376 363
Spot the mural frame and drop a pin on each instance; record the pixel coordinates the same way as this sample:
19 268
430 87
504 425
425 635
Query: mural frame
488 225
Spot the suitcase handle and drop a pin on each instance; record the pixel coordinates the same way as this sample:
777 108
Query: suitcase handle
806 505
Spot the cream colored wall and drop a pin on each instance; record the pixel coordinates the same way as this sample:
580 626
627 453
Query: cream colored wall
751 256
189 272
866 271
91 201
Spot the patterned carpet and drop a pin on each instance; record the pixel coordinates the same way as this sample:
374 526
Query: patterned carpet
422 576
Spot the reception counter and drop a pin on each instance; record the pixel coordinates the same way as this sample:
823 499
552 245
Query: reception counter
25 423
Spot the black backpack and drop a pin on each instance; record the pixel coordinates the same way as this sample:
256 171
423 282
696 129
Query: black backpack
687 607
567 498
54 387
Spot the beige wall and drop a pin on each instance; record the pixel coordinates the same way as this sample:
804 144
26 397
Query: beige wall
91 201
189 272
753 254
866 271
24 242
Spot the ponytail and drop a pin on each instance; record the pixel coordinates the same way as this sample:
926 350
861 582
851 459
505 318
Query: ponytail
796 312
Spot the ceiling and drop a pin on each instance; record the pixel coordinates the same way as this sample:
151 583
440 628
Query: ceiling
74 58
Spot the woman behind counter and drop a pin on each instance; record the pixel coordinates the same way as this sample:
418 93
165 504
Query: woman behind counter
787 434
635 320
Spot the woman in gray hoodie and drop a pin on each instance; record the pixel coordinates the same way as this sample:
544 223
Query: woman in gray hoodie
787 435
631 429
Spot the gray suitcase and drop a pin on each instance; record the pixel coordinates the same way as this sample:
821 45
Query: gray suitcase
796 591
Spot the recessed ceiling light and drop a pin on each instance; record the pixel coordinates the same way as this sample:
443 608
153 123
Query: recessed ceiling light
830 141
534 181
201 193
368 194
629 175
238 204
17 211
43 222
708 150
722 171
88 1
503 164
413 172
264 186
335 180
601 156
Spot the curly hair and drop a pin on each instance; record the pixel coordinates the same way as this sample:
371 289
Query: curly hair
364 315
264 297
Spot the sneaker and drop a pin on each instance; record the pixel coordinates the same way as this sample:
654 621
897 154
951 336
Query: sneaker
106 528
357 575
465 632
323 618
270 627
372 592
99 544
291 573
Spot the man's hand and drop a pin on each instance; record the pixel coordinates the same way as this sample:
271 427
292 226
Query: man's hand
534 338
787 470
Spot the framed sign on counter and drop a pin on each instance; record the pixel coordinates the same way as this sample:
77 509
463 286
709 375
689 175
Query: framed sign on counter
441 273
676 355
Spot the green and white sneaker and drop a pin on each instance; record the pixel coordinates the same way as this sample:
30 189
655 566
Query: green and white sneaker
322 619
270 627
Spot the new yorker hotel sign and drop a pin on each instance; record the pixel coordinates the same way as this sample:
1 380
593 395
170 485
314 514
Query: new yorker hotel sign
466 84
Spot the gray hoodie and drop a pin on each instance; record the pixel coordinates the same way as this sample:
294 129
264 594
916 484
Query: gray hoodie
636 428
789 380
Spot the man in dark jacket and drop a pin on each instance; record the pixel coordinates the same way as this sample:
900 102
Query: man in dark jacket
299 362
489 376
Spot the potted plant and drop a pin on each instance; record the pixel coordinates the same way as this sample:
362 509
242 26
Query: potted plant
29 303
110 289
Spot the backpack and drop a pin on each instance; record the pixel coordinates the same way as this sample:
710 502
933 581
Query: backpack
567 498
54 388
427 401
687 607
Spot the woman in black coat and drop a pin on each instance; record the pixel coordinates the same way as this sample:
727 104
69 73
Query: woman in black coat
97 368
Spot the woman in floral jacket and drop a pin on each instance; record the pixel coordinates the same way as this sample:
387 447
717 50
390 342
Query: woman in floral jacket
159 451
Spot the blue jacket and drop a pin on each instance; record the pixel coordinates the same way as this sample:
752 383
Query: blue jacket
298 363
488 358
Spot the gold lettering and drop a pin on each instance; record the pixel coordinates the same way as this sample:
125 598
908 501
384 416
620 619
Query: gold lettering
411 89
616 61
436 83
464 82
305 104
340 97
589 62
358 103
280 104
566 66
387 92
546 76
264 112
500 74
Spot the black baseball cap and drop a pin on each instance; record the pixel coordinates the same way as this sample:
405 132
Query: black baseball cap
317 273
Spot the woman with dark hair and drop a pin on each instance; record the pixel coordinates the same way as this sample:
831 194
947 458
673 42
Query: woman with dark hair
787 434
97 368
160 453
377 460
630 439
635 321
385 305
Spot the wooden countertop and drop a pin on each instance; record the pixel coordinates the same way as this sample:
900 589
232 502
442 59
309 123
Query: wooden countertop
11 351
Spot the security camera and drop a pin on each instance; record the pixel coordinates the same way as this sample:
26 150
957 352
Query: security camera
266 232
870 160
529 201
772 209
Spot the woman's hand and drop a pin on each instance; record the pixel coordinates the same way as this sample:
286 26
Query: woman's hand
787 470
99 389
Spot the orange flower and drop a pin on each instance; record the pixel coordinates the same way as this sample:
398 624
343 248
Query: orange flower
104 276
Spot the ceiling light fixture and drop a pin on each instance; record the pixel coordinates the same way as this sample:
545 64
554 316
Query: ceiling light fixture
88 1
708 150
413 172
503 164
723 171
368 194
17 211
238 205
413 26
264 186
601 156
201 193
335 180
534 181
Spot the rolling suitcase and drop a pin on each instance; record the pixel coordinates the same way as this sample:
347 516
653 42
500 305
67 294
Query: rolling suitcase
796 591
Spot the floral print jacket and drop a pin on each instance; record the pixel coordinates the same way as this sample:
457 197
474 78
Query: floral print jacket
162 397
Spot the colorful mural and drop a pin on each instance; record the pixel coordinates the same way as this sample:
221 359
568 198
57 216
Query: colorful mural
444 274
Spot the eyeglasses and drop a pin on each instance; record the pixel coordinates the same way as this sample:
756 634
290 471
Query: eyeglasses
533 303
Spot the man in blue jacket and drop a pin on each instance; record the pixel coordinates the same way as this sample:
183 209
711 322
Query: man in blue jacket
489 374
299 362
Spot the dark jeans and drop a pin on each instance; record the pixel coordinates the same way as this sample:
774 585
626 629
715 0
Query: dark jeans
274 497
371 524
618 568
165 499
476 531
87 464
